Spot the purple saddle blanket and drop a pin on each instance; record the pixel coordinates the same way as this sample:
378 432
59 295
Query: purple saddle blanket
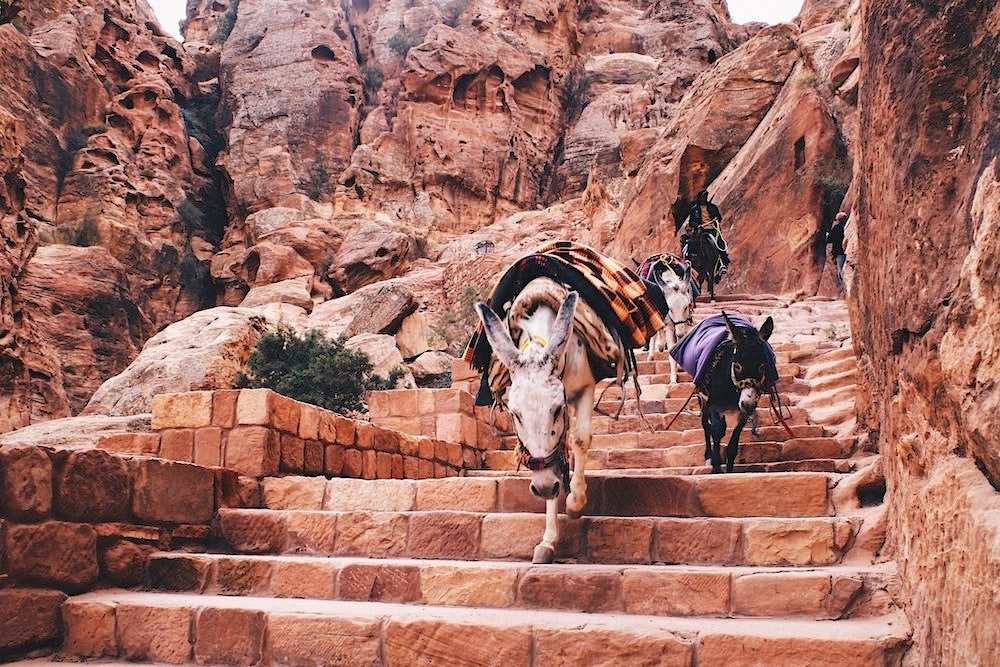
694 351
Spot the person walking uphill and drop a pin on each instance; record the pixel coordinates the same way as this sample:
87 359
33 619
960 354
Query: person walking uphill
705 215
835 239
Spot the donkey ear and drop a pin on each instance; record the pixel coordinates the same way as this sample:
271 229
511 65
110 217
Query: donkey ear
563 325
767 328
730 327
498 336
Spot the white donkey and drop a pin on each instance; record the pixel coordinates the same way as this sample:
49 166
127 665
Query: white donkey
673 276
550 376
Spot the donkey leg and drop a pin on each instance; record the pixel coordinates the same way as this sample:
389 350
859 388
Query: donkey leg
545 551
714 425
733 448
577 498
670 335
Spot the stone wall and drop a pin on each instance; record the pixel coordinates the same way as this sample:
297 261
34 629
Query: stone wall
259 433
71 519
926 311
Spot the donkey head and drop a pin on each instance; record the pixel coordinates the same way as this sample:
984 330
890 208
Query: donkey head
674 280
536 399
750 361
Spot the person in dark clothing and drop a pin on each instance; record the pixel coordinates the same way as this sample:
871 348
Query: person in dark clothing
835 239
704 215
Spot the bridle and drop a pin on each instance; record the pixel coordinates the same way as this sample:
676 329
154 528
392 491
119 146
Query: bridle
557 458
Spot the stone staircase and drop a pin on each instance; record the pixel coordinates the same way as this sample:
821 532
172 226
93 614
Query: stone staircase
775 565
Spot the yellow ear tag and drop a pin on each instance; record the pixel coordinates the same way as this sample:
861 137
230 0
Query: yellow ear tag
541 340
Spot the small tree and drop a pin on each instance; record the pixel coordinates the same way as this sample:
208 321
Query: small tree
313 369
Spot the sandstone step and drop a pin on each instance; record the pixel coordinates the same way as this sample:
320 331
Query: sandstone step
659 590
690 418
180 628
694 455
457 535
787 494
805 465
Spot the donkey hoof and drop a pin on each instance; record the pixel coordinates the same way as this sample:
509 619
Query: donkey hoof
574 514
544 554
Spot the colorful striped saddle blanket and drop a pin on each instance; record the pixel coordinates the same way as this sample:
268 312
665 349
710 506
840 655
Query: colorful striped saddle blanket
621 311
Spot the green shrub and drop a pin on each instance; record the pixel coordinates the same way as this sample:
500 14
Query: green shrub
452 10
317 183
313 369
455 326
577 91
84 234
226 23
403 41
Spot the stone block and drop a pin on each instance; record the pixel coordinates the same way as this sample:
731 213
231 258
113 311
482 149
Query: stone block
373 534
123 563
384 440
620 540
592 646
309 422
770 494
721 648
511 537
29 618
571 589
180 573
177 444
208 446
145 444
243 576
369 467
363 435
252 450
436 642
54 553
697 541
396 466
676 593
304 639
379 583
263 407
345 431
383 465
312 461
453 400
298 579
173 492
443 534
380 404
286 413
92 486
154 634
312 532
411 467
333 460
352 463
293 453
409 445
472 494
293 493
229 636
789 542
425 469
25 483
493 586
781 594
191 409
89 630
254 532
224 407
